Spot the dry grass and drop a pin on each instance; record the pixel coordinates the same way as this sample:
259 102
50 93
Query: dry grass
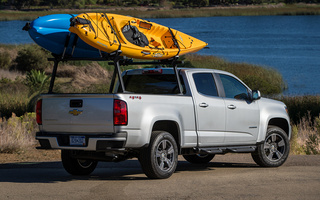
17 133
12 50
11 75
306 136
90 74
13 98
85 79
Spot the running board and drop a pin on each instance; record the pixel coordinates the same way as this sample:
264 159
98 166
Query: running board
222 150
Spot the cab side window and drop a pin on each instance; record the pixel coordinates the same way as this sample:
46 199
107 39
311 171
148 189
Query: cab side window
233 88
205 84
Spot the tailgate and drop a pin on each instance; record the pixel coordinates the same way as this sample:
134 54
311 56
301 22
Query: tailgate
77 113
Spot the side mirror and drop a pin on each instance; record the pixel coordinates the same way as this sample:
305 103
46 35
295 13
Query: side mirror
256 95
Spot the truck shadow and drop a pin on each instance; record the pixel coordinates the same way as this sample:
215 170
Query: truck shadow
186 166
51 172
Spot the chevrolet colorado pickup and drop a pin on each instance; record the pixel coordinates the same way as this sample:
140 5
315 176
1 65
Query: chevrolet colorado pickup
155 120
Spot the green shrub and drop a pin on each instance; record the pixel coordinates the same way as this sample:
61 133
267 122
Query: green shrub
36 81
79 4
5 60
13 98
13 103
31 57
4 81
301 106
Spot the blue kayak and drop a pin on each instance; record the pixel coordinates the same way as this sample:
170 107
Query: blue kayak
51 32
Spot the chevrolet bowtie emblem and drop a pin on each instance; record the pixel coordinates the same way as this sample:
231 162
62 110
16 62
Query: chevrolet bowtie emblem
75 112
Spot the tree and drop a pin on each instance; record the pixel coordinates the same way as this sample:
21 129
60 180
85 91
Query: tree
199 3
162 3
34 2
91 2
20 4
79 3
63 3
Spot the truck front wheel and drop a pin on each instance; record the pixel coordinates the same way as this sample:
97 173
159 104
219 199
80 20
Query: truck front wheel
274 151
159 160
76 166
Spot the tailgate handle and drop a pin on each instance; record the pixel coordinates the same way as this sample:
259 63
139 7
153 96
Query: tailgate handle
76 103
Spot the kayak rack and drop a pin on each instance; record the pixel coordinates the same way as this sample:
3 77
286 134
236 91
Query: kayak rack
116 60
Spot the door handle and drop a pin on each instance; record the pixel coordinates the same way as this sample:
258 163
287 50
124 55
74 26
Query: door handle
203 105
232 107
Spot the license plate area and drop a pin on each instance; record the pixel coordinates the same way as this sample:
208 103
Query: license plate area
76 140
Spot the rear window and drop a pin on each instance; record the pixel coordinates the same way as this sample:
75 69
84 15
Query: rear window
152 83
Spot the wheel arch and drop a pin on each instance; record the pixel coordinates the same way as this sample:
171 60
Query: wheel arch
171 127
281 123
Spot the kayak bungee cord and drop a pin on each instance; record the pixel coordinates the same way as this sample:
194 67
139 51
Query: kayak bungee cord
114 32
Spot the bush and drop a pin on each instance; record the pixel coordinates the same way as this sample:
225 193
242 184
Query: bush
306 136
79 4
36 81
5 60
32 57
301 106
13 98
17 133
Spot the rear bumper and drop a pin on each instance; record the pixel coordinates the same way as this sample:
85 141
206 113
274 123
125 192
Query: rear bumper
100 142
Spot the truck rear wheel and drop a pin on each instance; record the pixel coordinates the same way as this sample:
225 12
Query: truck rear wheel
76 166
274 151
159 160
199 158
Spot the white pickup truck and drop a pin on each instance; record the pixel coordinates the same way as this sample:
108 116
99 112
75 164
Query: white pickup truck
155 119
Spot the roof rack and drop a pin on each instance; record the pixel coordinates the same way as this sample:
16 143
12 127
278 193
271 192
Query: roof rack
115 59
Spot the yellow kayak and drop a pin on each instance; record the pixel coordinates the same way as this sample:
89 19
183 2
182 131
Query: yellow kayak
136 38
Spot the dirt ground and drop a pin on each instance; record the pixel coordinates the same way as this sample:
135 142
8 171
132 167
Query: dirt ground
37 155
31 155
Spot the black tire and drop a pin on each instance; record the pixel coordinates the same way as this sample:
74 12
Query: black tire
274 151
199 158
159 160
76 166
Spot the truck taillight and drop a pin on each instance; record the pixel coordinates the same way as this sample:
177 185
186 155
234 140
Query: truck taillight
120 112
39 111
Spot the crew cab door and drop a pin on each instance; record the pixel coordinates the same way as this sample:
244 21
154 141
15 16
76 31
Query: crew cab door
210 109
242 114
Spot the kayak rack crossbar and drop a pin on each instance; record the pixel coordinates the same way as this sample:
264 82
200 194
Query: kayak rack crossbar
117 61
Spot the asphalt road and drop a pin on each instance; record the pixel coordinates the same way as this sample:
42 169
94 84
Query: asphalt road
232 176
